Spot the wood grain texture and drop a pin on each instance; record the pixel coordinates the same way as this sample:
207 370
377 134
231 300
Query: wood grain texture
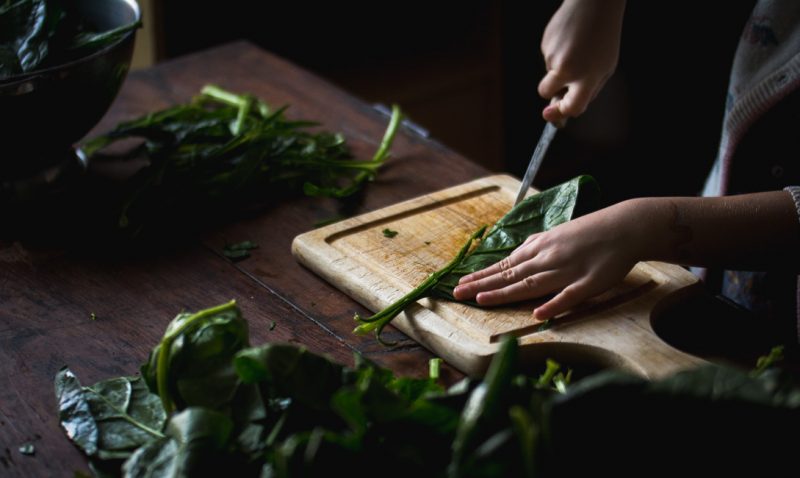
376 270
48 291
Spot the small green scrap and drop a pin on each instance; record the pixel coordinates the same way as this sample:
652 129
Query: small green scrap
272 325
434 368
389 233
27 449
766 361
93 316
239 251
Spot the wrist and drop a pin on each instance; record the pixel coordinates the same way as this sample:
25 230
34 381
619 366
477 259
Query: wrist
658 230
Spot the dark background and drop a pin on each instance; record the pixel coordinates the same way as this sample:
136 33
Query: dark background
467 72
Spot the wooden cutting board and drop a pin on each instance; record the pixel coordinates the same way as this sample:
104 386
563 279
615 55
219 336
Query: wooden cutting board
610 330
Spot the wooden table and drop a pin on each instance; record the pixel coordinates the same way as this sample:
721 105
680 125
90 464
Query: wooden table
48 293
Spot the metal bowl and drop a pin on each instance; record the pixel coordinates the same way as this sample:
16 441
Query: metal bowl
46 111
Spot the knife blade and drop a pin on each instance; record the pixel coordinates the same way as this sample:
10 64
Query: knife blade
536 160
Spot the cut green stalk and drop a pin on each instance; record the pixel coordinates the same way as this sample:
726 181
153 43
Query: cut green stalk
380 320
545 378
766 361
434 368
388 137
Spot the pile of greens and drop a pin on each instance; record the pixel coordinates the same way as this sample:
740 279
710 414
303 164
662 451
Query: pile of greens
209 404
535 214
223 149
36 34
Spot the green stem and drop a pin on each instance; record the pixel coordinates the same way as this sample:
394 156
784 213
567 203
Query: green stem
243 102
380 320
162 365
223 96
434 368
388 136
244 110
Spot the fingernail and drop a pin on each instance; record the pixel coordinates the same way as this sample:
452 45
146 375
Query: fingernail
457 292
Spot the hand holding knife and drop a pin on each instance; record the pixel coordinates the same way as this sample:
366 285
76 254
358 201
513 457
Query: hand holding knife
537 157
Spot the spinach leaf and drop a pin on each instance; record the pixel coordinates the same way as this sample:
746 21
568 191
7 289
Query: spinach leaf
86 42
291 372
111 418
223 149
36 34
538 213
239 251
535 214
194 446
295 413
24 27
486 403
192 365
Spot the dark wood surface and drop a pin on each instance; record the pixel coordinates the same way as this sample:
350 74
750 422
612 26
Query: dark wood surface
48 292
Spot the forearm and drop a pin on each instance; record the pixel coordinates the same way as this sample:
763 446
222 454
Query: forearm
750 232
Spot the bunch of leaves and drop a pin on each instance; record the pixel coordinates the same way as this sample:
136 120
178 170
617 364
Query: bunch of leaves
537 213
279 410
36 34
223 149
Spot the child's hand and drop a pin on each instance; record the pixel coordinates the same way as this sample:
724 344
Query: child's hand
588 255
577 259
581 48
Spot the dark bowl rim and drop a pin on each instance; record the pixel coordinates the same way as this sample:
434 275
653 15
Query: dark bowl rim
27 76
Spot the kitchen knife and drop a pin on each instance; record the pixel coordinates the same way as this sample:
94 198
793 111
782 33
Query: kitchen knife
536 160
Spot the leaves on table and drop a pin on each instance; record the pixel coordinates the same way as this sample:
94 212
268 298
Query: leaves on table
224 149
111 418
389 233
280 410
192 365
535 214
195 441
27 449
239 251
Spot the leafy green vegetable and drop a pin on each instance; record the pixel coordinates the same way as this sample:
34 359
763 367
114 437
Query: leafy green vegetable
485 404
537 213
764 362
36 34
380 320
191 366
194 446
239 251
223 149
389 233
295 413
111 418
